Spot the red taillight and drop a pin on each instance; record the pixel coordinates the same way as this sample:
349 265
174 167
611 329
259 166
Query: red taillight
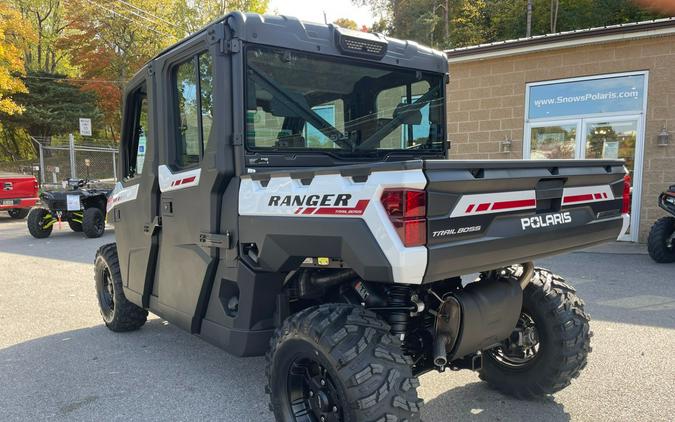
625 206
407 209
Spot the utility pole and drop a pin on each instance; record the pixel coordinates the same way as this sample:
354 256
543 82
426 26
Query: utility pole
71 148
325 18
529 18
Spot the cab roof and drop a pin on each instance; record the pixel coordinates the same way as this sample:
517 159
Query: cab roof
290 32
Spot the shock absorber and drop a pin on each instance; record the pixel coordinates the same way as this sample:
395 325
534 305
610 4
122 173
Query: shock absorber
399 297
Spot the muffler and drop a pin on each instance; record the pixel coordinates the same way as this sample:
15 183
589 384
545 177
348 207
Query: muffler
479 317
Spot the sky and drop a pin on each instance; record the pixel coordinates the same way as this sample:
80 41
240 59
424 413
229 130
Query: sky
312 10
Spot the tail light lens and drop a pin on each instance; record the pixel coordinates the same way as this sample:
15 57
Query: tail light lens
407 210
625 207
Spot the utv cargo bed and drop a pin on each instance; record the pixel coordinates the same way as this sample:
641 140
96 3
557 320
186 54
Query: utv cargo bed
487 214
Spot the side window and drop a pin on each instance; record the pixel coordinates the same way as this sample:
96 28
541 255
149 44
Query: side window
137 144
194 108
188 120
206 94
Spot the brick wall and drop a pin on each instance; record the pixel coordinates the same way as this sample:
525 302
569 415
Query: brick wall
486 103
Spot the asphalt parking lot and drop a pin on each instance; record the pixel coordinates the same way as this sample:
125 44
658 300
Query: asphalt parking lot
58 361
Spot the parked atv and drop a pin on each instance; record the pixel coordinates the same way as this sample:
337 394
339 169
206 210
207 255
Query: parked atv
661 241
83 208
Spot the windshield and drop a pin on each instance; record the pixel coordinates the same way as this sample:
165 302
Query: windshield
298 101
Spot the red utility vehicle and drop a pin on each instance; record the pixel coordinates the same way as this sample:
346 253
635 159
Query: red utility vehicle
18 194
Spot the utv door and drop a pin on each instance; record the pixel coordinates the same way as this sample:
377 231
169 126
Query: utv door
135 200
190 182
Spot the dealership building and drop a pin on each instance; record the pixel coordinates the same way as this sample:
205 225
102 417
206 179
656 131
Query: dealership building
597 93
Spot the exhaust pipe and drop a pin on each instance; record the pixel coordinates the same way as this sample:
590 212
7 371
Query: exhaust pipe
526 275
440 353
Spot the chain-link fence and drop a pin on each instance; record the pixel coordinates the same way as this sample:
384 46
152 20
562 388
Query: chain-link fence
60 159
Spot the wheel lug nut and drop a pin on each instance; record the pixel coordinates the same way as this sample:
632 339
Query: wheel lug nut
335 409
311 393
323 382
323 418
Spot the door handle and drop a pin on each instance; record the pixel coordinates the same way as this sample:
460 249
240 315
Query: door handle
151 228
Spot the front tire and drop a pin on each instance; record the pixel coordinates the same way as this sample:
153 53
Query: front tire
93 223
660 243
40 223
75 226
118 313
18 213
548 348
339 362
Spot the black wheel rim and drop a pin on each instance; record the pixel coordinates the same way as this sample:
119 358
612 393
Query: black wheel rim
312 394
106 295
522 347
98 224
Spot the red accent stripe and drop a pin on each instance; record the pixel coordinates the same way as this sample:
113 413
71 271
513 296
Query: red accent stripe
297 211
309 210
483 207
189 179
578 198
522 203
604 195
469 208
359 209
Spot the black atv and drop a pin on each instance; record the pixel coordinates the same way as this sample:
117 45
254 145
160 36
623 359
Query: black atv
661 241
83 207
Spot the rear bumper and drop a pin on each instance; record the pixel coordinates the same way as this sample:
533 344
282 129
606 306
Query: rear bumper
17 203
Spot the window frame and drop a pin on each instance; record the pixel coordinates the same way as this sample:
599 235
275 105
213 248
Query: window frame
135 99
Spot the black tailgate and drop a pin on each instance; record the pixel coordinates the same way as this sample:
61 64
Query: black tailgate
486 214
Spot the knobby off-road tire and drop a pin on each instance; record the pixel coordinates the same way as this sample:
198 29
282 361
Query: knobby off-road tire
563 334
660 243
118 313
93 222
75 226
18 213
367 376
37 219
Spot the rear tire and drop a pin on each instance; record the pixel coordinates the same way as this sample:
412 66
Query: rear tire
562 336
660 243
93 223
39 223
339 362
18 213
118 313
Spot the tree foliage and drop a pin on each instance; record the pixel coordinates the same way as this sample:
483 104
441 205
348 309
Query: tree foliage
52 105
346 23
478 21
15 33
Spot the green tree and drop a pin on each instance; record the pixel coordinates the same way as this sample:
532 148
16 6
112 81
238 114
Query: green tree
52 106
48 22
476 21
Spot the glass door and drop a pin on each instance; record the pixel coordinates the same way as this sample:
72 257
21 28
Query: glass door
617 138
